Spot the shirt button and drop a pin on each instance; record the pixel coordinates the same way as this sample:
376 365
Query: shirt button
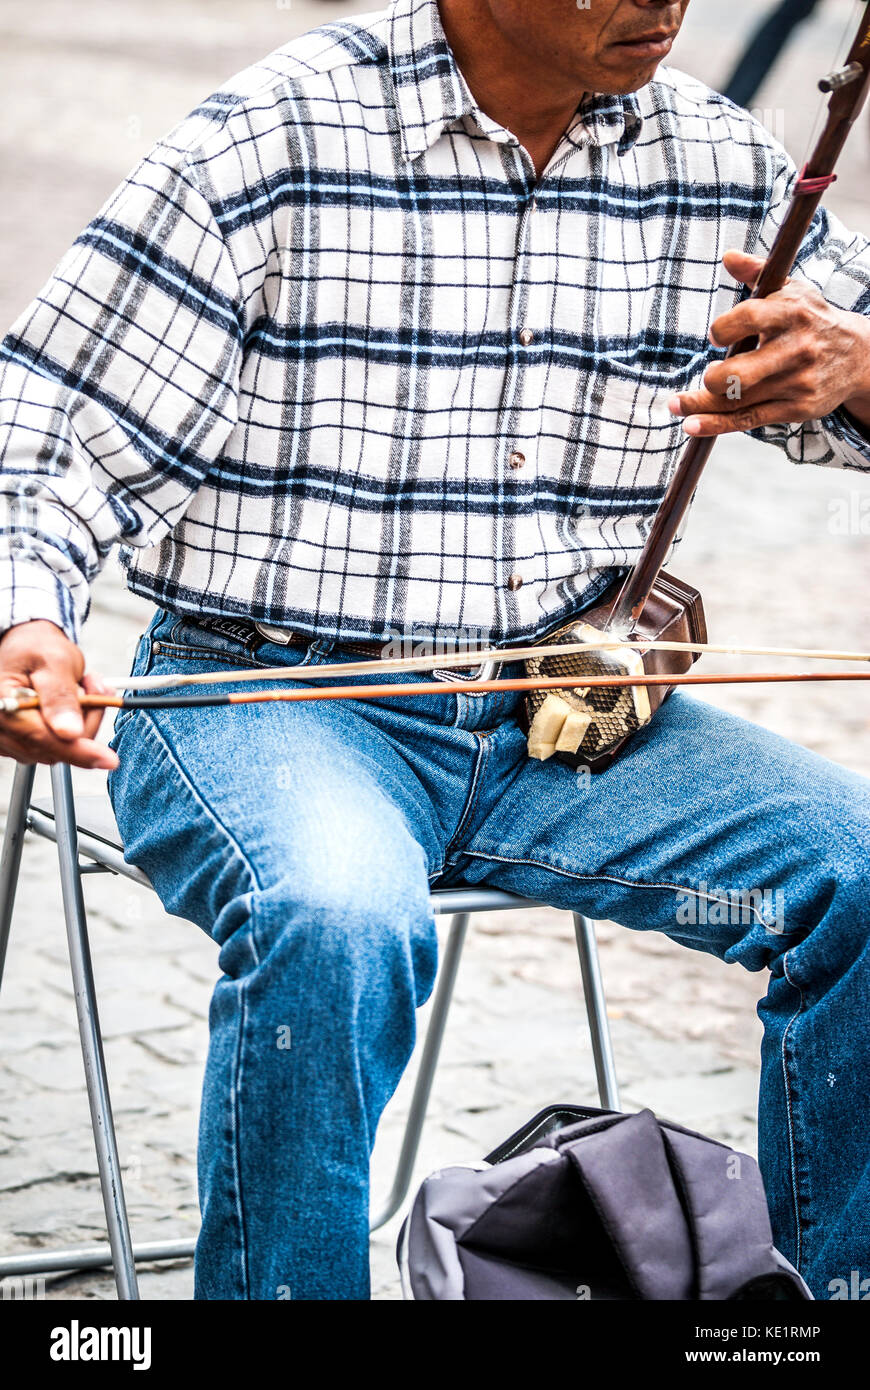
516 459
515 582
527 337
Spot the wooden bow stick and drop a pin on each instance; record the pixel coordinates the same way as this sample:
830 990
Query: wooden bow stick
28 700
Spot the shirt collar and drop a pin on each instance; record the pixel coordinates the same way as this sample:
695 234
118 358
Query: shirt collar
609 120
431 93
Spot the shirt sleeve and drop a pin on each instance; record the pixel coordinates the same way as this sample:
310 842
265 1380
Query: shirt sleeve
837 262
118 389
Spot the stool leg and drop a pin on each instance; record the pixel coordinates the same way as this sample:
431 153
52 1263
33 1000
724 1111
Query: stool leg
596 1012
426 1073
10 858
91 1040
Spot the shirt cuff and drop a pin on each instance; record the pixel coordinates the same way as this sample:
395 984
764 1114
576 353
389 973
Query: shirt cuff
853 442
30 591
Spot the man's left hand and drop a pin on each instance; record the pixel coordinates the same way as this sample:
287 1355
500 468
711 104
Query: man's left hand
811 359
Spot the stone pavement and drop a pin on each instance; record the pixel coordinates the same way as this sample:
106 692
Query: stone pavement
780 556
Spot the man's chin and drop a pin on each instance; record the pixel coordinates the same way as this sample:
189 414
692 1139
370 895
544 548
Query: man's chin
621 85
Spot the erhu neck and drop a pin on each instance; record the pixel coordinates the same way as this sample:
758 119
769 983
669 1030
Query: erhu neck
849 87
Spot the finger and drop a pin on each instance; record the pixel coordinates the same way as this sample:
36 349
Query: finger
754 318
59 701
749 418
93 720
39 746
746 269
93 684
27 737
788 355
706 403
737 395
24 728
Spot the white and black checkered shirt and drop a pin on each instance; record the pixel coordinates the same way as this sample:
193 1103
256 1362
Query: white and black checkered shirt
333 359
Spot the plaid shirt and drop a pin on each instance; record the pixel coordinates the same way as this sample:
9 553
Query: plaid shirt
332 358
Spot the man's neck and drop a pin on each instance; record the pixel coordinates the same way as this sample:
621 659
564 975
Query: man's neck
505 83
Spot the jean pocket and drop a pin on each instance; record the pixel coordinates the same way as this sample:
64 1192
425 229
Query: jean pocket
229 642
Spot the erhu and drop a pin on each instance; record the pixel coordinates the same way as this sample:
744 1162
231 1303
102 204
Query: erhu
591 727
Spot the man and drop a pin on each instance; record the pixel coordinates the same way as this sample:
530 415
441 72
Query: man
400 334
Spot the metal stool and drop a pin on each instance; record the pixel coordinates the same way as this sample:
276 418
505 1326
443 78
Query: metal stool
88 833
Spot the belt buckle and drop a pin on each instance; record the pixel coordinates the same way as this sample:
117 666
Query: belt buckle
280 635
480 671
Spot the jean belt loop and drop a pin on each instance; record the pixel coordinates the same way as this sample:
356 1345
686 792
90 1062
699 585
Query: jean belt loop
160 624
321 646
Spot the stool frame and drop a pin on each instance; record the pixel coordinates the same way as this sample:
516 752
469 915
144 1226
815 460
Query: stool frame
80 853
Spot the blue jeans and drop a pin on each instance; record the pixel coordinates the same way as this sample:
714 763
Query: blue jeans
305 838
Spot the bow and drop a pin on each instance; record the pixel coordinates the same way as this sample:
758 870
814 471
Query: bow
26 699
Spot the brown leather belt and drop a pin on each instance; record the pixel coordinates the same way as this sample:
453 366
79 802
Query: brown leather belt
284 637
244 630
372 650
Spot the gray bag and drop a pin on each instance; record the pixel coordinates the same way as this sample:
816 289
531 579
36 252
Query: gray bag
592 1204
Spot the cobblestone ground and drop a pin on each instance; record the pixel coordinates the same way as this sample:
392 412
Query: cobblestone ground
779 554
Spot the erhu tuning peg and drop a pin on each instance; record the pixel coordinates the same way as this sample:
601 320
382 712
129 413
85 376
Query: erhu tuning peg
841 78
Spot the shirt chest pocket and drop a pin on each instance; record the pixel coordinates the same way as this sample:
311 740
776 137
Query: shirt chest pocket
629 437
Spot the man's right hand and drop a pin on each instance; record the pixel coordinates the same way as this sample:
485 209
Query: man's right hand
38 654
